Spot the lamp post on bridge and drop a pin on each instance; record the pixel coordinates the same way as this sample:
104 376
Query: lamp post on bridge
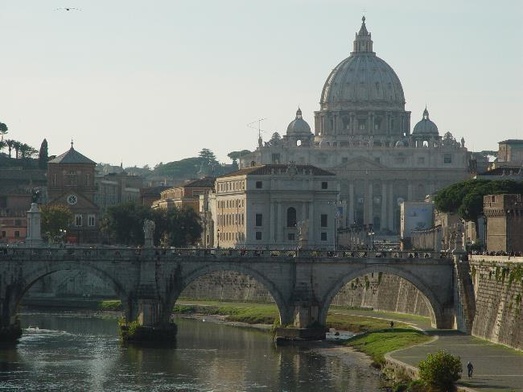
338 216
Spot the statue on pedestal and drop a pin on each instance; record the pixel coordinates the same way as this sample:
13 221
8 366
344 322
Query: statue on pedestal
148 230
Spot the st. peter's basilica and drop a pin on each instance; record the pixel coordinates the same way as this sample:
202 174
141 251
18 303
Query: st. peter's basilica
362 133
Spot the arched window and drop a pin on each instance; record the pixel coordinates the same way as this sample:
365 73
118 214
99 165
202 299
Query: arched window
291 217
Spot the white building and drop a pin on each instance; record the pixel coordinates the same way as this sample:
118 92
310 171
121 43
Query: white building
276 207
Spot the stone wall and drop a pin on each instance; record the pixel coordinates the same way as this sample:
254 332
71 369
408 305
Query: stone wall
376 291
498 288
383 292
227 286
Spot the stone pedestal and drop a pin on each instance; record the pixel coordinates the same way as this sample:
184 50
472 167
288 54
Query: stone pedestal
34 221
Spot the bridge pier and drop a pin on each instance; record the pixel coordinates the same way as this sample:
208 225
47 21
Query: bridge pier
10 329
305 324
148 322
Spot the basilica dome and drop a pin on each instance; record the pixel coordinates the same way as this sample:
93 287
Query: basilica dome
425 127
298 127
362 79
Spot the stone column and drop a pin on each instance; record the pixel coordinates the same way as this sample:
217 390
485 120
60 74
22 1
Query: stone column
384 199
350 211
369 219
390 207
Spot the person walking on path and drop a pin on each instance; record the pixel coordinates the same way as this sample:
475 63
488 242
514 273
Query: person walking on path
470 369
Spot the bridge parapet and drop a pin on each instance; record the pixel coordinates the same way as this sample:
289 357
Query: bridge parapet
141 254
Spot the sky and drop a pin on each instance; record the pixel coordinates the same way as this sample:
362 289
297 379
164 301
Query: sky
148 82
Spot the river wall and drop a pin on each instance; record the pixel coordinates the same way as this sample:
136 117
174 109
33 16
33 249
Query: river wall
498 290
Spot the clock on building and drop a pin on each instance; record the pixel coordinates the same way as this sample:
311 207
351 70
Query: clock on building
72 199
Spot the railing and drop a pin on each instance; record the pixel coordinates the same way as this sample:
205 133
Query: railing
139 254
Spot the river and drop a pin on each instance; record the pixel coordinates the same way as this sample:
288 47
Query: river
82 352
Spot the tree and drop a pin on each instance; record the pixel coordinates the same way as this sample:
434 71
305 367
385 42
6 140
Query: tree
177 227
440 371
466 198
235 155
16 146
56 218
3 130
43 155
26 151
9 146
208 156
123 223
275 139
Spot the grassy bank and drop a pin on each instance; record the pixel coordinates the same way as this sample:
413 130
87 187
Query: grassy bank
378 343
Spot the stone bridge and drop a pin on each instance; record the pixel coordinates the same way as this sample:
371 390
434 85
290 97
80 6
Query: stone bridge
302 283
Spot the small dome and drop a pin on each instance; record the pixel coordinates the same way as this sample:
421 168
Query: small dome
299 126
425 127
402 142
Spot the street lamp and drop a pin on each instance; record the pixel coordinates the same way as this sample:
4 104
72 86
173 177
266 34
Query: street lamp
371 238
338 205
218 238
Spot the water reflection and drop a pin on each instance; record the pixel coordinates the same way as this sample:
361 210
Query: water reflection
80 352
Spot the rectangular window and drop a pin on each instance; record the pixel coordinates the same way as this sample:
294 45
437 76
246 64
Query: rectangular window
421 160
78 220
323 220
17 234
91 220
258 235
258 184
4 234
324 185
447 158
276 158
71 178
259 220
291 237
323 236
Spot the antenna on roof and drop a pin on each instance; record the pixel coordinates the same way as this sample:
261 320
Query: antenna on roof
250 125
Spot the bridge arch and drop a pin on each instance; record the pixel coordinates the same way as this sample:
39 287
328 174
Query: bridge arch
30 277
244 269
435 307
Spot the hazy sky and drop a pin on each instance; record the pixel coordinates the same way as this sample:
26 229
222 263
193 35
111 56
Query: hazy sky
144 82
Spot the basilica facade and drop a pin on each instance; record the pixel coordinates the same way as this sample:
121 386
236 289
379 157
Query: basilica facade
362 133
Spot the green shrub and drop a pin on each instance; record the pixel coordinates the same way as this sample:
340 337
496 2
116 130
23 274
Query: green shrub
440 371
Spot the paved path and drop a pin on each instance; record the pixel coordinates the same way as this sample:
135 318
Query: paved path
496 367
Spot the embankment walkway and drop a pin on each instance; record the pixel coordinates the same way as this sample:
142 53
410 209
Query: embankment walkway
496 368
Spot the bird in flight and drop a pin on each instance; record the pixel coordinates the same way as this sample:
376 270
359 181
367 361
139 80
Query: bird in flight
68 9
